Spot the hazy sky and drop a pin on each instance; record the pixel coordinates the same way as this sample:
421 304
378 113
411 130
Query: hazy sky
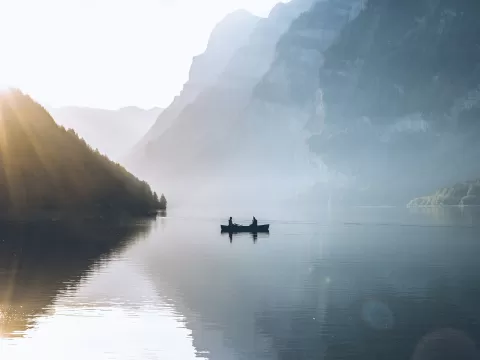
107 53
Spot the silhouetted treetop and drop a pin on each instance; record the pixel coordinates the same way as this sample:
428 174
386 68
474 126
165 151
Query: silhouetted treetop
163 202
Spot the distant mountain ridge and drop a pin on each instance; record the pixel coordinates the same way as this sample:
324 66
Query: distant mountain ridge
112 132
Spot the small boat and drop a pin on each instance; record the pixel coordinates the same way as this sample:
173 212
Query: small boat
245 229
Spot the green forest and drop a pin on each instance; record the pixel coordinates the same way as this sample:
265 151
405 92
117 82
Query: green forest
47 170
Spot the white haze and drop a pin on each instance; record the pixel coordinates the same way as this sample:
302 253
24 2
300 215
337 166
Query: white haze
112 132
107 53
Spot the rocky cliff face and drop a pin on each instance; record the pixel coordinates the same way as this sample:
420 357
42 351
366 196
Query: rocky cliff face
275 122
377 102
228 36
249 127
398 99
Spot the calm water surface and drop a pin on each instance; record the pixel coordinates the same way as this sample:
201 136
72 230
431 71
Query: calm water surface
370 284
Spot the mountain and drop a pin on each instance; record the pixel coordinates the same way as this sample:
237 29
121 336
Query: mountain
49 171
362 102
198 144
398 100
112 132
274 124
227 37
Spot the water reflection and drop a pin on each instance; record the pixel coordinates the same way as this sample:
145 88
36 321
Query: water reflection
351 335
307 292
362 301
338 292
449 215
38 261
243 236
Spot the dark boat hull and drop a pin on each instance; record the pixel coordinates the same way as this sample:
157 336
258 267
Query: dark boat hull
249 229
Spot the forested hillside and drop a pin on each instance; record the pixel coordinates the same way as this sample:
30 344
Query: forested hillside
49 171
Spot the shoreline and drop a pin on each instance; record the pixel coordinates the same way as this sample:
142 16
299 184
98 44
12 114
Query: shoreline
78 217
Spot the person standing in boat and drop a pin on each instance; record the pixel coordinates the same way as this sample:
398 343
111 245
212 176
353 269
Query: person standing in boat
254 222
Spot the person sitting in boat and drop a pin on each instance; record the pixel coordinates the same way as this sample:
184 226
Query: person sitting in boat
254 222
230 221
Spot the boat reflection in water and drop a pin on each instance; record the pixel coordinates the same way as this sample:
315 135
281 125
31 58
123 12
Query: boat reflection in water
253 230
254 235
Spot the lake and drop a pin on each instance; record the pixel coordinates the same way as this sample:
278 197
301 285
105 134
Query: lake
369 283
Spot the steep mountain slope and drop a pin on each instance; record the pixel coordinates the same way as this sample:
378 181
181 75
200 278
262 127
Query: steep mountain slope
398 101
112 132
47 170
197 144
274 123
228 36
385 91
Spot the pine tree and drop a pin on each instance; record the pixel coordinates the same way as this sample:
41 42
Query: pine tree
163 202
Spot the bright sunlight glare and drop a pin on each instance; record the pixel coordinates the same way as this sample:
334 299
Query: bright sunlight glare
107 53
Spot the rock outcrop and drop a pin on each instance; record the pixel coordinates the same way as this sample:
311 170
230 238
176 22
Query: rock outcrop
461 194
399 100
